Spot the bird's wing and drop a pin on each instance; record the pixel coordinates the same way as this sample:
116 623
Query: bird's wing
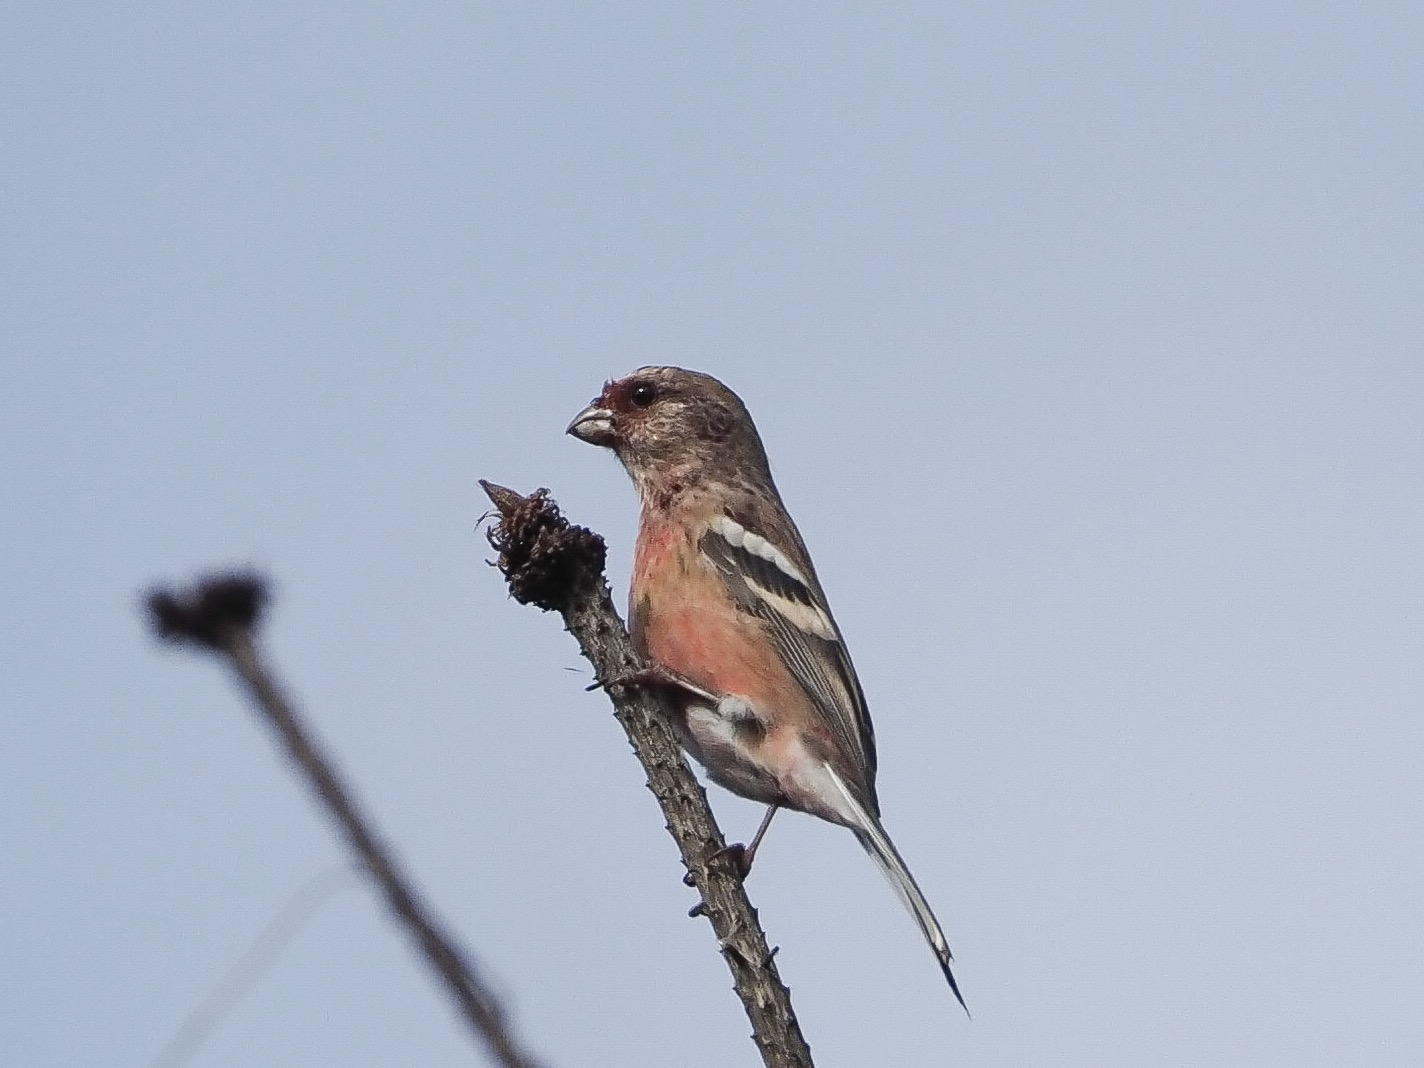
766 583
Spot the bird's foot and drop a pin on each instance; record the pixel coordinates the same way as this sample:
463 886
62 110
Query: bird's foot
736 856
650 676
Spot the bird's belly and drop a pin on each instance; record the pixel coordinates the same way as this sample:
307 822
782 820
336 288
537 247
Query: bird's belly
749 741
730 752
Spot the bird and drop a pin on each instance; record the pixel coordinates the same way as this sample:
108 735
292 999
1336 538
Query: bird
726 609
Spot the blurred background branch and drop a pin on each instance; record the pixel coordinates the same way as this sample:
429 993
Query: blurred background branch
221 614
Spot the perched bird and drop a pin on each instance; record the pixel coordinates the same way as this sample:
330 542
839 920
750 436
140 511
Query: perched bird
726 607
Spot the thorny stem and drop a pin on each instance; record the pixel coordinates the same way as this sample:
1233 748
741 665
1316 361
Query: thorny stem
559 567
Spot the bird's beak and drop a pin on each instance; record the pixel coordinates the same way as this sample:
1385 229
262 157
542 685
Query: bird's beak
594 425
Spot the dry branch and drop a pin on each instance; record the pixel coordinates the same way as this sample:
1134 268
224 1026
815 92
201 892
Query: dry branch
559 567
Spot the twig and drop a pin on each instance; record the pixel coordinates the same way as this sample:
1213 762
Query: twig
220 614
559 567
239 978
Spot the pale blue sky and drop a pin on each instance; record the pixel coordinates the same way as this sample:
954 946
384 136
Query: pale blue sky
1088 346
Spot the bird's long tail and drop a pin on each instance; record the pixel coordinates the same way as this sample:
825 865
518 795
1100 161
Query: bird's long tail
877 843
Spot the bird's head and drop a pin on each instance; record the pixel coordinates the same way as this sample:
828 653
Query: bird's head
672 428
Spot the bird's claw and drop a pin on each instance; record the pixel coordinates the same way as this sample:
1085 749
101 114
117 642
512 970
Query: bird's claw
738 858
652 675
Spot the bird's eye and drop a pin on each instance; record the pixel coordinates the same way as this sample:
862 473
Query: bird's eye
643 395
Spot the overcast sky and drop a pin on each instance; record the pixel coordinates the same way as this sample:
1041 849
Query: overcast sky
1087 342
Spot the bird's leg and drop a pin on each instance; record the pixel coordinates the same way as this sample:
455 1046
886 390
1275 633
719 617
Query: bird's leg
741 856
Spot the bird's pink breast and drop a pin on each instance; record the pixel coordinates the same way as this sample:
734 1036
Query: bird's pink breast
690 624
